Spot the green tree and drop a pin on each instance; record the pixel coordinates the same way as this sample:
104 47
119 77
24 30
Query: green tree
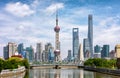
25 63
1 64
98 62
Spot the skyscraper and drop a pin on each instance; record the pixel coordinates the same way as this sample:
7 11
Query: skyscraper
48 46
57 42
86 48
39 52
97 51
30 53
69 56
105 51
80 53
9 50
20 48
75 42
6 53
50 52
12 47
90 34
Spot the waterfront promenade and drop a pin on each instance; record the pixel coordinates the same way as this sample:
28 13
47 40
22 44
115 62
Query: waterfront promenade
14 72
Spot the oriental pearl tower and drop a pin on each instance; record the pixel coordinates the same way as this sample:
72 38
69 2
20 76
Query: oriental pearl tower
57 42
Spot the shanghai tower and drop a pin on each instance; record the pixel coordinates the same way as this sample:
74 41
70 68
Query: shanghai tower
90 34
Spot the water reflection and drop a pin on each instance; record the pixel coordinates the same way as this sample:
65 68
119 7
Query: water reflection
66 73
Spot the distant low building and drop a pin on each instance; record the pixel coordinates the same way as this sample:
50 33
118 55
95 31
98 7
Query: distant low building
117 50
97 55
112 54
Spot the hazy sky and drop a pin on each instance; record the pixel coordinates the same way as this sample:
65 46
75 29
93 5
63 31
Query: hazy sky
32 21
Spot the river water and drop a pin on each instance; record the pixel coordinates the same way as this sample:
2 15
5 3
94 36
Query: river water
65 73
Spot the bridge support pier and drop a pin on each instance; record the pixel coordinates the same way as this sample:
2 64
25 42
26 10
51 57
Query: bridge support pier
56 67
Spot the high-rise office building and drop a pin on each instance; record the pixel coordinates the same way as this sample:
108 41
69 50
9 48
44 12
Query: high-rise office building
9 50
90 34
44 56
12 47
39 52
97 49
30 53
86 48
105 51
51 54
117 50
69 56
47 48
57 42
20 48
5 52
80 53
75 42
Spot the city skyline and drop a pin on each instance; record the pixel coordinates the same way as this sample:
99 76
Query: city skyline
28 22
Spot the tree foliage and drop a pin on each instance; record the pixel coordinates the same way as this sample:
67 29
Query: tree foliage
98 62
13 63
1 64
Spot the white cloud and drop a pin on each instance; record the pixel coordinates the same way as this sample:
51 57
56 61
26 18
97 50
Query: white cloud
53 7
19 9
83 11
40 27
35 3
107 32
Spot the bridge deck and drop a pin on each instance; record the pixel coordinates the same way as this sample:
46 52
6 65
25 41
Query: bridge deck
55 66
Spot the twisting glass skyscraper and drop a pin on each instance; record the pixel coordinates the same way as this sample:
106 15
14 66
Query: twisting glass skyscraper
90 34
75 42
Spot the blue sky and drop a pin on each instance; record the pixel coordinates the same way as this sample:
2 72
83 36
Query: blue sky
32 21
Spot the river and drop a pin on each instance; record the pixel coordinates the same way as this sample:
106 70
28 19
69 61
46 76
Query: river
65 73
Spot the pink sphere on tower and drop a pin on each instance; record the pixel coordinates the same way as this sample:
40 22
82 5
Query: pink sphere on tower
57 29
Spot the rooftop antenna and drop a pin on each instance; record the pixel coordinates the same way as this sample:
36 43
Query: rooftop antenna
56 16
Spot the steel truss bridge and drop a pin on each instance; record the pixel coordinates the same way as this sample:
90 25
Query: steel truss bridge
57 66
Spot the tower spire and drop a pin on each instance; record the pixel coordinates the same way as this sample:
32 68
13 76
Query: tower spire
56 18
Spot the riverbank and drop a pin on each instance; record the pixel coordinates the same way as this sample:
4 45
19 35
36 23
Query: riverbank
9 72
103 70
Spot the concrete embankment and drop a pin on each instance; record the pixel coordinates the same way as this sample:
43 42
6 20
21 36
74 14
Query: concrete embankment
103 70
9 73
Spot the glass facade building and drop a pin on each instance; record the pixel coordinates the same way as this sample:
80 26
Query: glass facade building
39 52
69 56
97 49
6 53
86 48
75 42
90 34
105 51
20 48
30 53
